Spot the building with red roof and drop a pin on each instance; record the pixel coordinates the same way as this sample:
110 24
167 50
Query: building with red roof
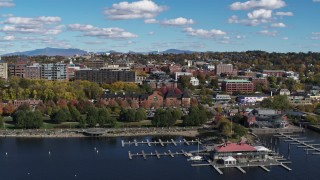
242 152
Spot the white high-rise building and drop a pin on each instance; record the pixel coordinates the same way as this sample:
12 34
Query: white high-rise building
3 69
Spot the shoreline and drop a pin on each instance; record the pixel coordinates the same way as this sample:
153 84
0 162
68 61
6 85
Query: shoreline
77 133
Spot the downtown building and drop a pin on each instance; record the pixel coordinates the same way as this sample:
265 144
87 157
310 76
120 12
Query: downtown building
224 69
3 70
18 68
105 76
237 85
53 72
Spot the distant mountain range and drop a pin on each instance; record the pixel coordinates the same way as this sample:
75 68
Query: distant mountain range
71 52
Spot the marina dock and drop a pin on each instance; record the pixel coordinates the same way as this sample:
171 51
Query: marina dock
157 154
160 142
296 140
263 165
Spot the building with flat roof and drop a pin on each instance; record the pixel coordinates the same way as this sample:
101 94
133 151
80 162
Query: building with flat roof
56 72
105 76
222 98
3 69
18 69
224 68
178 74
237 85
276 73
33 72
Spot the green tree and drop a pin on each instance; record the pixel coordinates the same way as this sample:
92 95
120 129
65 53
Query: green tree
104 118
75 114
157 119
176 114
1 122
281 102
62 115
197 116
92 116
266 103
141 114
27 119
82 122
224 127
239 130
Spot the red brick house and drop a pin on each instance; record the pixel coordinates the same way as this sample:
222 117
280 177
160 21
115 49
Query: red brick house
31 102
169 98
155 100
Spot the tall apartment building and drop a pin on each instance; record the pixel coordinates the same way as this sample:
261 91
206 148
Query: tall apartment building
224 68
95 63
33 72
3 70
18 69
105 76
54 72
237 85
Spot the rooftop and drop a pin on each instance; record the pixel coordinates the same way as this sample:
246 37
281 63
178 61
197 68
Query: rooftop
236 81
235 147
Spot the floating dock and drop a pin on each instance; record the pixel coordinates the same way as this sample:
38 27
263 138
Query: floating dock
263 165
157 154
161 142
299 141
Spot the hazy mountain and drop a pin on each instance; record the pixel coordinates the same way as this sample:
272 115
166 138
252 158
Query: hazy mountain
177 51
50 52
71 52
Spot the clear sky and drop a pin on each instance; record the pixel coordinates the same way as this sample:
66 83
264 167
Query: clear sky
149 25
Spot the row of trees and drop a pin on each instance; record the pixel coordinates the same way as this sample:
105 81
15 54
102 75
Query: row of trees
24 117
279 102
166 117
132 115
21 88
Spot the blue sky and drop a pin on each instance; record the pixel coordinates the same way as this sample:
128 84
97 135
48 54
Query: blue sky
148 25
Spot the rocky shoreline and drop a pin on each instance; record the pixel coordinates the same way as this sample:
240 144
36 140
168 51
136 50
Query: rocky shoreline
79 133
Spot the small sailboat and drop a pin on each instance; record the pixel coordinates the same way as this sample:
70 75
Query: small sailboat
197 157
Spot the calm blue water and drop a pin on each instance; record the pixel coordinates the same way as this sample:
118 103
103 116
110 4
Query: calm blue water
76 158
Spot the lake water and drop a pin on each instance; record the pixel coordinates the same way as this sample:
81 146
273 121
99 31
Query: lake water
77 158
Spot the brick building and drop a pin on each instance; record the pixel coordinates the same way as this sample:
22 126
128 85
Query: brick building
224 69
30 102
154 100
276 73
105 76
18 69
237 85
33 72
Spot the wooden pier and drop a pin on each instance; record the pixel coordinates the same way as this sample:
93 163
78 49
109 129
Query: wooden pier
161 142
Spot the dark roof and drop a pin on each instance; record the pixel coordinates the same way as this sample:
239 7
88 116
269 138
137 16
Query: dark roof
185 94
131 95
171 94
144 96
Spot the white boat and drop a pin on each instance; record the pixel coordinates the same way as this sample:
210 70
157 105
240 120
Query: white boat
195 158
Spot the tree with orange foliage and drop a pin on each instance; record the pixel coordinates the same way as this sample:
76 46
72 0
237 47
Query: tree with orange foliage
8 109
